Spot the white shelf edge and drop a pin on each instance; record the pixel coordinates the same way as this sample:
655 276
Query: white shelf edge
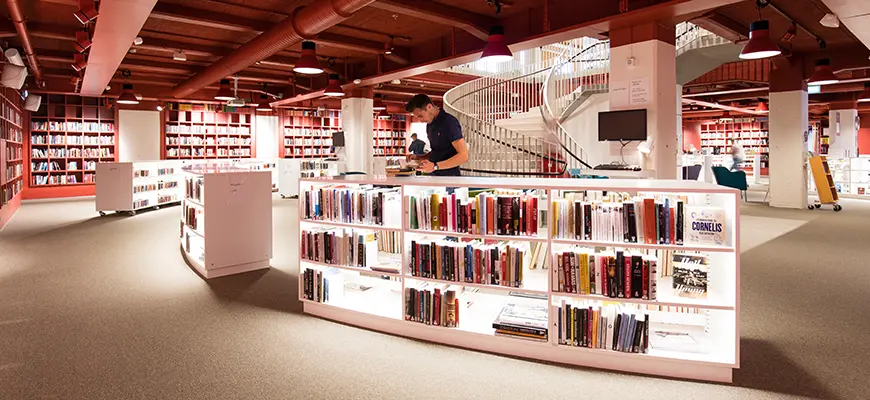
349 268
476 236
350 225
478 285
592 243
599 297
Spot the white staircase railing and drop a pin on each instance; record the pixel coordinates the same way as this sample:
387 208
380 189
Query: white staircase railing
692 37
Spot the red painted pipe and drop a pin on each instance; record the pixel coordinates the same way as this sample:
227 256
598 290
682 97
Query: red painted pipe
305 23
21 26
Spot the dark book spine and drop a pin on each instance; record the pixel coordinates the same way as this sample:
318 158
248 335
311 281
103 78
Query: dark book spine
620 274
632 222
582 326
638 337
627 271
679 223
506 217
611 277
645 346
636 277
578 220
520 329
515 216
616 326
587 222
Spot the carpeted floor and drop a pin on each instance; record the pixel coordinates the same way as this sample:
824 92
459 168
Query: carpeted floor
105 308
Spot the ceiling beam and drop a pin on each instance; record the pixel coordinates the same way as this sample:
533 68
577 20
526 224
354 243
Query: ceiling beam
475 24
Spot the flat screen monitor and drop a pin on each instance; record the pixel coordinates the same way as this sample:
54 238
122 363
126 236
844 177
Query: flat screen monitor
338 139
625 125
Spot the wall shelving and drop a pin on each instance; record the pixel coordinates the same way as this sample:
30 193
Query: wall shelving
11 153
691 289
207 132
308 133
388 136
718 137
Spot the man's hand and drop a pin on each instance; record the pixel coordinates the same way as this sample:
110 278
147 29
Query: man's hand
427 167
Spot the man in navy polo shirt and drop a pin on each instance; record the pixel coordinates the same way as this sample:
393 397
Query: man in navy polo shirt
445 138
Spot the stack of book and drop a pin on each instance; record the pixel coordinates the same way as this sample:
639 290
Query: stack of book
484 214
522 321
432 307
472 262
364 204
608 327
616 274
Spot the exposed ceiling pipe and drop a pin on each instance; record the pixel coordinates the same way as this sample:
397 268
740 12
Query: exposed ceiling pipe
21 26
305 23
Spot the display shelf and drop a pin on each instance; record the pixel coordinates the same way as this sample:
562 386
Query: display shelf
308 133
349 268
207 132
717 310
717 137
230 230
290 170
121 187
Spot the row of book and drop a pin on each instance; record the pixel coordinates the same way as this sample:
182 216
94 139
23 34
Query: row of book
11 113
522 321
13 171
155 186
167 198
72 152
313 165
73 126
611 327
389 142
624 219
193 188
13 134
143 173
484 214
202 129
364 204
432 307
308 141
314 286
309 132
200 152
380 133
54 179
499 264
10 190
192 217
88 165
380 151
298 151
209 141
14 153
45 166
614 274
340 246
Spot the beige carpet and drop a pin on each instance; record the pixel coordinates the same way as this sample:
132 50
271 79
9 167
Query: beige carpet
105 308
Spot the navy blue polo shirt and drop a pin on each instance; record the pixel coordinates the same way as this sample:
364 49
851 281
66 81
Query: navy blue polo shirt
442 132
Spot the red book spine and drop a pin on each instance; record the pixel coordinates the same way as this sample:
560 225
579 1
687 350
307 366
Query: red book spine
457 312
645 271
503 262
442 215
476 271
673 226
627 274
437 316
649 221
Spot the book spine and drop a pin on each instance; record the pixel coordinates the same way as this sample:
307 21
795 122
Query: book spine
627 271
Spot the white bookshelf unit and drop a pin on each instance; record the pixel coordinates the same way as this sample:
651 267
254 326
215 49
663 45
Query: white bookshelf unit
375 296
226 220
290 170
133 186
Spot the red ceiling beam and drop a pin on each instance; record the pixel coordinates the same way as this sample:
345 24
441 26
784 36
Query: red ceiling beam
117 26
475 24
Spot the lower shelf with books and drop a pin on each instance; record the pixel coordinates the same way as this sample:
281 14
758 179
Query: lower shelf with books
360 291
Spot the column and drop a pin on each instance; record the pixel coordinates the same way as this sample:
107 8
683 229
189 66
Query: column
356 121
679 127
789 121
843 131
643 76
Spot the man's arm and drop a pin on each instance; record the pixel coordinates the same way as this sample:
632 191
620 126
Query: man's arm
460 158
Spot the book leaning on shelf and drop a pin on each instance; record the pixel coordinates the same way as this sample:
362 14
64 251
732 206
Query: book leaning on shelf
615 274
338 246
499 264
315 286
484 214
364 204
432 307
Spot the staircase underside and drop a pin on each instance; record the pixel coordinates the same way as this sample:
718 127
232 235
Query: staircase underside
696 62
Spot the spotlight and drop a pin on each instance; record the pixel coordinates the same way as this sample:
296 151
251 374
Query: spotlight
224 93
307 63
388 47
333 89
179 56
83 41
138 40
378 103
79 62
87 12
159 107
830 21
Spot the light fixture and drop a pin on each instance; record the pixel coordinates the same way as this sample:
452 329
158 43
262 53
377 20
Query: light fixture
127 96
263 105
307 63
644 147
759 45
160 107
762 106
87 12
179 56
830 21
823 74
388 47
224 93
333 89
83 41
383 114
496 49
357 81
378 103
138 40
396 81
865 95
79 62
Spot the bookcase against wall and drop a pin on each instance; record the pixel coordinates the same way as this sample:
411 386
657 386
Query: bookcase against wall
718 137
11 153
388 135
308 133
207 132
226 219
681 291
69 135
132 186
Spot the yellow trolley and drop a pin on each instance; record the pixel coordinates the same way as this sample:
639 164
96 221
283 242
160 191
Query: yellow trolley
824 184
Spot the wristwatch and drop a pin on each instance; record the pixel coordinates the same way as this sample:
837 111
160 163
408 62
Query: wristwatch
436 165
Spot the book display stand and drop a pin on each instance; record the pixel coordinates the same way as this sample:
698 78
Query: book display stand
132 186
631 275
226 221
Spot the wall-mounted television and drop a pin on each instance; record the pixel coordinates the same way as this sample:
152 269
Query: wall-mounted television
338 139
622 125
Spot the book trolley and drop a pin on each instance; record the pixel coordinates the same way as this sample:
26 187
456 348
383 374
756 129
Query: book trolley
684 324
825 186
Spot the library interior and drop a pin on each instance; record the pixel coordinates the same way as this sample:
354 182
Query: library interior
526 198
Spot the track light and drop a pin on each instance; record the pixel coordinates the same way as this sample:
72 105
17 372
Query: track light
79 62
333 89
830 21
160 107
496 49
307 63
83 41
378 103
87 12
823 74
179 56
224 93
127 96
138 40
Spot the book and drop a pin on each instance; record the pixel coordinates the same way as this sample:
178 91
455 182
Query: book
443 259
522 320
508 213
690 278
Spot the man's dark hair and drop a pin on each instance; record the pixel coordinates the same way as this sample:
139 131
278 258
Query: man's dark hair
418 101
413 136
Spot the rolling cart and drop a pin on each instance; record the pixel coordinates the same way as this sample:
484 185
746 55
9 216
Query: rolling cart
825 185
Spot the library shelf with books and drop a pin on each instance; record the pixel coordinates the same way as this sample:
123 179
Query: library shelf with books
132 186
291 169
207 131
11 153
717 137
388 135
308 133
68 136
226 218
511 293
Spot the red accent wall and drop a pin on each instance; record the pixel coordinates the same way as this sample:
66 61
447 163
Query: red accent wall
691 134
864 135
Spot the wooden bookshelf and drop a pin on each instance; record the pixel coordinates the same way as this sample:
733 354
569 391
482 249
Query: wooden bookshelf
308 133
388 136
207 131
718 137
11 153
68 136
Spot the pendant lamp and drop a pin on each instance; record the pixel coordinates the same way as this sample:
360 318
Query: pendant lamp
762 106
127 96
823 74
865 95
263 105
333 89
496 49
760 45
224 93
307 63
378 103
383 114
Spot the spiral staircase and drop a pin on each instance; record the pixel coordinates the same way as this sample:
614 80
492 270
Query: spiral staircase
512 119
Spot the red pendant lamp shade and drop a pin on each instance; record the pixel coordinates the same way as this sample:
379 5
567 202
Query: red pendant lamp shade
496 49
865 95
263 105
127 96
224 93
823 74
762 106
379 104
383 114
333 89
760 45
307 63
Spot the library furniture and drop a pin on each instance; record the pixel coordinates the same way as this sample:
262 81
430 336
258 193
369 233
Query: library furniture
11 153
133 186
68 136
290 170
307 133
226 219
732 179
388 135
752 133
376 300
207 131
826 189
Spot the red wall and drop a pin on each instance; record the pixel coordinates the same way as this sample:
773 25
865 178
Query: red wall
864 135
691 134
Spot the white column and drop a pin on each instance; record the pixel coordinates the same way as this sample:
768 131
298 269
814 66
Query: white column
356 121
267 137
679 131
844 133
138 135
647 70
787 138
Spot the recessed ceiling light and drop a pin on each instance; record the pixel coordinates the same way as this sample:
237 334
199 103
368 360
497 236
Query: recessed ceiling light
138 40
